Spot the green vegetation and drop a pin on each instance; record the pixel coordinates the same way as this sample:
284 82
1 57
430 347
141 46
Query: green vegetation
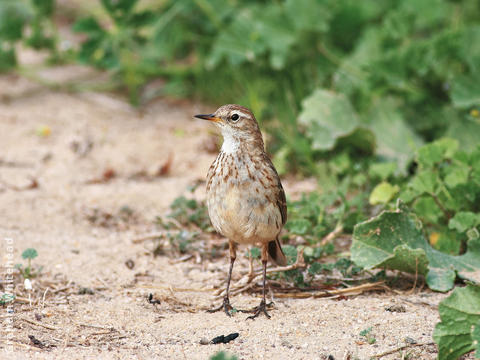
28 271
367 335
221 355
459 329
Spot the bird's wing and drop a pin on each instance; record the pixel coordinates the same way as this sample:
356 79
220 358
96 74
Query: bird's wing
281 199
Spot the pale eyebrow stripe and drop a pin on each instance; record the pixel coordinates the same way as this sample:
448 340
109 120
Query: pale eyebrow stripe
241 113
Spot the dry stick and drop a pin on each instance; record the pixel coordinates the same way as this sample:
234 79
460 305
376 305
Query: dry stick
389 352
332 235
148 237
37 323
329 293
96 326
157 287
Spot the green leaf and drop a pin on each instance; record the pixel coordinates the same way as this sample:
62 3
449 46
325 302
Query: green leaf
456 174
29 253
383 193
8 59
395 139
435 152
466 132
382 170
458 331
326 116
394 239
426 182
255 30
463 220
309 15
88 25
466 91
299 226
476 339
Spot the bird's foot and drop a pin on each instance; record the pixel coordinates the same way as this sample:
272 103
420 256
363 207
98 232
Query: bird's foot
226 307
262 308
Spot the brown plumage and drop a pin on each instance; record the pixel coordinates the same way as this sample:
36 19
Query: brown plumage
245 198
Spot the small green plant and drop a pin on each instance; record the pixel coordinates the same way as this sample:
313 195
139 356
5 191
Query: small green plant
186 212
223 356
186 221
28 272
368 336
6 298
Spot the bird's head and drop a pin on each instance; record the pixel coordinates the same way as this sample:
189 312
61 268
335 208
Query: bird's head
238 126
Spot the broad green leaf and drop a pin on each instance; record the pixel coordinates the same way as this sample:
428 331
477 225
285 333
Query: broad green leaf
466 132
476 339
426 182
309 15
254 31
466 91
395 139
463 220
458 333
299 226
326 116
382 170
383 193
394 239
456 174
426 208
435 152
351 74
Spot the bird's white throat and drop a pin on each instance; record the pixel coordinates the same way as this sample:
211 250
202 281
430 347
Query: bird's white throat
230 142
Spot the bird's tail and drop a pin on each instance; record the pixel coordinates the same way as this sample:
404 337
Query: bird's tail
275 253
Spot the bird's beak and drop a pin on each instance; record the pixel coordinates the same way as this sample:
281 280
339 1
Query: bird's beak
209 117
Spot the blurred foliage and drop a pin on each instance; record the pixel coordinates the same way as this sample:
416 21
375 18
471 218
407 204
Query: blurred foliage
444 193
377 77
29 22
322 75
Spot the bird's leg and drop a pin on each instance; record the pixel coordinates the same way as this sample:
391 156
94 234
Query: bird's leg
226 301
262 308
251 272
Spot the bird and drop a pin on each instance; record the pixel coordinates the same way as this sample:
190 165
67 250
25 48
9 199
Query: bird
245 198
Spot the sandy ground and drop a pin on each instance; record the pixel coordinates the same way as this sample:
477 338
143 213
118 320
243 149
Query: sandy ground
115 320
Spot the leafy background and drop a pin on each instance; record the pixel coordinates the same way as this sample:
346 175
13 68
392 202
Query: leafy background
379 101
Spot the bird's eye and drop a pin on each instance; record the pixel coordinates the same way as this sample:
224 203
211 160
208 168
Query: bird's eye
234 117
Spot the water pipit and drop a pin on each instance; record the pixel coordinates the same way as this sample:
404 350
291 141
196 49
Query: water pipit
245 199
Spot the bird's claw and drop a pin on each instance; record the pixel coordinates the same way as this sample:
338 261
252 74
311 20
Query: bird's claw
262 308
226 307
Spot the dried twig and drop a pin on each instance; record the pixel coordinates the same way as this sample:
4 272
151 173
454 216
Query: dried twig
332 235
148 237
354 290
158 287
389 352
33 322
